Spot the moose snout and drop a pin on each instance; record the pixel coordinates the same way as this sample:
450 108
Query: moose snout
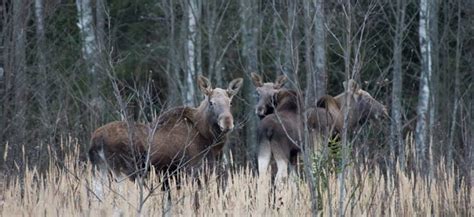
260 111
226 122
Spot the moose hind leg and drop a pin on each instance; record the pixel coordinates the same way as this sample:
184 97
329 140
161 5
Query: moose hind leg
282 159
264 156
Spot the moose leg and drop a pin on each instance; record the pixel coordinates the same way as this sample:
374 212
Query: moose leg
264 156
281 158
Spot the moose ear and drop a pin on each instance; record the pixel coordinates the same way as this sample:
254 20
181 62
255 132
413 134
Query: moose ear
353 87
234 86
280 81
256 79
204 85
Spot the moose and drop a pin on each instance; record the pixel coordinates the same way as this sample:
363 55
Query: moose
362 106
180 138
279 130
280 112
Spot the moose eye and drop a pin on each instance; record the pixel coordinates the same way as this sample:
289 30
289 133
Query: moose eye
211 103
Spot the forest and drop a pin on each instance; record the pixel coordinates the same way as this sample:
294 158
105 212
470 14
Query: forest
68 67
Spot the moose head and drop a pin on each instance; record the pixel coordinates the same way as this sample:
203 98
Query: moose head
218 102
266 93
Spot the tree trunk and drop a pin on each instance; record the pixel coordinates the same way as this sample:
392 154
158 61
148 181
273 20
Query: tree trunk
457 83
192 63
315 50
92 59
5 75
100 28
250 29
433 81
320 74
345 135
89 46
19 69
290 52
310 98
43 80
396 141
172 67
211 24
425 89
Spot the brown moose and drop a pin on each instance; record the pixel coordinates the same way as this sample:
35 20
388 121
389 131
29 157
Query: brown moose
180 138
280 129
363 106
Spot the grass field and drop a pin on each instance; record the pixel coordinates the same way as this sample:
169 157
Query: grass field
67 189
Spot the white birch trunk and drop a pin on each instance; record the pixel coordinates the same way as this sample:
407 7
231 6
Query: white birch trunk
86 28
89 42
424 94
193 17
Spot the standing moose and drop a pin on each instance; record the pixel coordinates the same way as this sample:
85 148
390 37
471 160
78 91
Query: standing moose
280 110
180 138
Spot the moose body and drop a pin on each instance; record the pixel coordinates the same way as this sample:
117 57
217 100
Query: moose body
360 104
280 129
180 138
279 133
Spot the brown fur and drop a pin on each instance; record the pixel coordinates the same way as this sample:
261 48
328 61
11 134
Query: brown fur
278 132
180 138
326 117
123 153
363 106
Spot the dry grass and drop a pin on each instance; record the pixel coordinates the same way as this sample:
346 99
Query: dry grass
66 190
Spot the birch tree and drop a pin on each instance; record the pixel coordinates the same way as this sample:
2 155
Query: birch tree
425 77
191 52
90 51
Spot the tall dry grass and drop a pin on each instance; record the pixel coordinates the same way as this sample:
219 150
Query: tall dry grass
67 188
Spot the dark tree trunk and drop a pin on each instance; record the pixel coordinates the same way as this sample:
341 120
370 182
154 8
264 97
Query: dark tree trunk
250 30
396 141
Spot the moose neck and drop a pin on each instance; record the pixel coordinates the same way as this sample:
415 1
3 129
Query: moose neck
287 100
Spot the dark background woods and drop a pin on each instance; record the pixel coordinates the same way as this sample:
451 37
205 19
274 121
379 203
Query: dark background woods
67 67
